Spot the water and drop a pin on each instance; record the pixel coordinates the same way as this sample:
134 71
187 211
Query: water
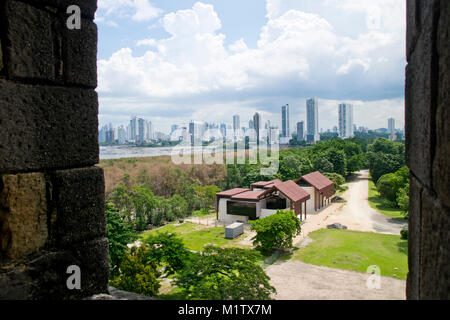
118 152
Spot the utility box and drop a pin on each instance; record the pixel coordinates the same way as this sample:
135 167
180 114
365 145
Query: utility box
234 230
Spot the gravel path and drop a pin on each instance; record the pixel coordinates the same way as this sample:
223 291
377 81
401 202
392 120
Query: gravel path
357 214
295 280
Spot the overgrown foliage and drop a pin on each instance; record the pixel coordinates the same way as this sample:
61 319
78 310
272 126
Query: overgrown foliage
225 274
167 249
138 273
276 231
119 232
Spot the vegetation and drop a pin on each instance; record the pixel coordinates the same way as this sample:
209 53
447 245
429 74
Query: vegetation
119 232
385 156
276 231
382 205
195 237
138 273
168 250
225 274
354 250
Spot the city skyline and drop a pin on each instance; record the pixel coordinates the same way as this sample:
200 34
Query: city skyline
230 62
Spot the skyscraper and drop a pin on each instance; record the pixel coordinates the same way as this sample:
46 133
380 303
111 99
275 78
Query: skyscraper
300 131
236 124
133 128
257 125
391 129
345 120
285 121
140 130
312 120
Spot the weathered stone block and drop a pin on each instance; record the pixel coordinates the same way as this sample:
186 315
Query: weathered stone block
94 265
419 97
435 250
47 127
29 44
23 214
413 27
414 239
79 196
441 166
80 56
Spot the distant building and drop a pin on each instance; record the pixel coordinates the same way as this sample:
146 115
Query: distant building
391 129
257 125
300 131
285 121
133 129
140 136
223 129
236 124
312 120
346 120
121 135
250 124
149 131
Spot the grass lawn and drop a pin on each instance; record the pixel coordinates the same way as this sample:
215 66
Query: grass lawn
354 250
196 236
383 206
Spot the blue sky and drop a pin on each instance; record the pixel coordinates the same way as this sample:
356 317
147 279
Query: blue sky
177 60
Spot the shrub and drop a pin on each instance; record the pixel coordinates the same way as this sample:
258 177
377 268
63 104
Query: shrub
138 273
225 274
404 234
276 231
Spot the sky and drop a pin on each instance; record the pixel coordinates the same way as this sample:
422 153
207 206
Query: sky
172 61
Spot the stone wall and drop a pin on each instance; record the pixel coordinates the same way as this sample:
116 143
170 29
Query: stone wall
428 147
51 192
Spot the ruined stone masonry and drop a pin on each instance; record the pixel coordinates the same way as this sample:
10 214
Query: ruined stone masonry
51 192
428 147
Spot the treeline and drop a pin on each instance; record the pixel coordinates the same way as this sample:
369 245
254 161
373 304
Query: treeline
335 158
389 172
144 208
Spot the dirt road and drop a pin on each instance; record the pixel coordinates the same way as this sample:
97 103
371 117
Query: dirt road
295 280
357 214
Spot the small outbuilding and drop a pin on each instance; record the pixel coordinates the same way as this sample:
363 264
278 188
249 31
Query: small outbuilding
319 187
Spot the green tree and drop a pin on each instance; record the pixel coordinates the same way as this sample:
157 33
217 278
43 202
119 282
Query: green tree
225 274
179 206
339 161
119 233
385 156
403 199
167 249
323 165
138 273
206 196
337 179
276 231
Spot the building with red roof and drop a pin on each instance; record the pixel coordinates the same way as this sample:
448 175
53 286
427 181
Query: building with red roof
262 200
319 187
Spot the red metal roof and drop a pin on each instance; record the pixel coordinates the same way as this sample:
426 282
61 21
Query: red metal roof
317 180
265 184
249 195
293 191
232 192
320 182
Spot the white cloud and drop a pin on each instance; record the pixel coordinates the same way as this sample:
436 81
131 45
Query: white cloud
143 9
146 42
299 54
